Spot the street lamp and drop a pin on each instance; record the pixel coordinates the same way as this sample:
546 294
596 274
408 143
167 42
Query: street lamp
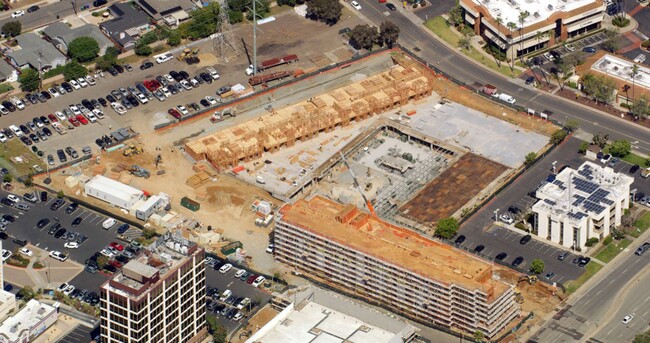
554 163
496 215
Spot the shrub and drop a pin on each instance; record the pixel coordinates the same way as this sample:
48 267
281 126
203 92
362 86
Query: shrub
591 241
521 226
608 240
646 44
620 22
572 84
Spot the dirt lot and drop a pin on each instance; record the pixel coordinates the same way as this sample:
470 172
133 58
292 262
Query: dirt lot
452 189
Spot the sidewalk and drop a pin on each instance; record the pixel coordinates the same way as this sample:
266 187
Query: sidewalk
577 296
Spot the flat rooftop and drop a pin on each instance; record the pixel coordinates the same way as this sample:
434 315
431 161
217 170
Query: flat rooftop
25 320
538 10
622 69
475 131
319 324
347 225
582 193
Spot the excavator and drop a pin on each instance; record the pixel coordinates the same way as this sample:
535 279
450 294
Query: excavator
132 150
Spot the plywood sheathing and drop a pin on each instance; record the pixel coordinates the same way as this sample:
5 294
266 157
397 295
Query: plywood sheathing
305 120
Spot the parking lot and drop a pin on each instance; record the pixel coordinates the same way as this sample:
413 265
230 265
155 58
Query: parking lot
239 289
479 228
81 334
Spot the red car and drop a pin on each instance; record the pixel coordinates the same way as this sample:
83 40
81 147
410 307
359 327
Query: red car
74 121
52 118
174 113
116 246
151 85
251 278
82 119
115 264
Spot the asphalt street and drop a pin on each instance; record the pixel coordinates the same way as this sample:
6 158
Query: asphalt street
461 68
581 318
45 15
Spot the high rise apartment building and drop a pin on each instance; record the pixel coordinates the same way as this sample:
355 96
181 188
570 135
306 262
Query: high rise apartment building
159 296
402 270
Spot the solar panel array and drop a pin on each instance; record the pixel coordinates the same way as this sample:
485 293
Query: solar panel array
579 199
550 202
598 196
587 172
584 185
559 184
577 215
593 207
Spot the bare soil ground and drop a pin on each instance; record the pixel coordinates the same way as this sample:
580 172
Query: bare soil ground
452 189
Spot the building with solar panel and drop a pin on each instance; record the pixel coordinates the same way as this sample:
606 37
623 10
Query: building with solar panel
581 204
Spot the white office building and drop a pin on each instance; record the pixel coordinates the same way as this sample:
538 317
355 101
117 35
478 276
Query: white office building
113 192
28 323
581 204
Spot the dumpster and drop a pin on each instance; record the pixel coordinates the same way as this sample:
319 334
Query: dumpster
190 204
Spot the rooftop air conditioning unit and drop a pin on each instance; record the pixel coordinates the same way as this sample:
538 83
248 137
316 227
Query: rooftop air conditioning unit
536 14
550 7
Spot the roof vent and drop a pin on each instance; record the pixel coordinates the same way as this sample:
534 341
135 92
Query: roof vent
550 7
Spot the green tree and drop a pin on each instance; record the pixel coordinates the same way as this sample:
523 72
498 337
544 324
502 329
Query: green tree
102 261
583 147
447 227
204 21
262 8
12 28
27 293
60 194
142 49
479 336
7 178
29 80
641 107
326 11
464 43
530 158
537 266
599 87
456 15
105 62
388 33
174 38
612 42
642 337
83 49
74 70
235 17
286 3
364 36
558 136
112 51
572 124
600 139
620 148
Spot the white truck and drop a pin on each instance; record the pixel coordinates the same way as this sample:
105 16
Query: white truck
507 98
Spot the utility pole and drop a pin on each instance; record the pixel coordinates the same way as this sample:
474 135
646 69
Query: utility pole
496 215
254 39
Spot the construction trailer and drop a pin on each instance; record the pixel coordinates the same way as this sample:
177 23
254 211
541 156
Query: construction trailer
113 192
154 204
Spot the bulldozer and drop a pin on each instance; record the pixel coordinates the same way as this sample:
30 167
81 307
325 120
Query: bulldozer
186 52
132 150
531 279
518 297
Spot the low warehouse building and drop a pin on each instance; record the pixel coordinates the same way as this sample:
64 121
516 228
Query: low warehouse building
29 323
113 192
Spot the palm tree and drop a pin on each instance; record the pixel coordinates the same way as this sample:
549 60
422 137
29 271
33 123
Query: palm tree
633 73
512 26
522 18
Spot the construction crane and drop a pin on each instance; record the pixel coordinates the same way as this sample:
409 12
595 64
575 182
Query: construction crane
356 184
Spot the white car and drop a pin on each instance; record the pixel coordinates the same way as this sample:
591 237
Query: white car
548 56
166 92
183 110
225 295
106 252
3 110
39 123
239 273
109 223
243 303
82 82
186 85
225 268
62 287
90 80
238 316
119 108
570 47
211 100
628 318
57 255
69 290
6 254
164 58
3 138
258 281
60 115
213 73
169 78
16 130
98 113
356 5
13 198
91 117
71 245
17 14
74 84
26 252
506 219
143 99
75 110
55 92
19 104
270 249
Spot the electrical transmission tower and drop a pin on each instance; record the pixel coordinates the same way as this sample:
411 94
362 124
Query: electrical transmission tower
224 41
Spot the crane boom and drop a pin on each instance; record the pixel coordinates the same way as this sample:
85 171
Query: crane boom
358 186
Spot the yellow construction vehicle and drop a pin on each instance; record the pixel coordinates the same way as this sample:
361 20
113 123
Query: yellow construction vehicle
518 297
132 150
186 52
195 51
531 279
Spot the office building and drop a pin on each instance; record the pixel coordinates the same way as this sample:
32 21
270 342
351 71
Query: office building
159 296
519 27
581 204
341 246
31 321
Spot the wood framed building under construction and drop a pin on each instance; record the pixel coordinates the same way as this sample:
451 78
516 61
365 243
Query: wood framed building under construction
355 102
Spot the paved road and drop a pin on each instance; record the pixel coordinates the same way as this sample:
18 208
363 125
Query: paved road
448 60
45 15
579 320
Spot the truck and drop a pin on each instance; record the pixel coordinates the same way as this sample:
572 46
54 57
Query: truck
59 128
507 98
264 78
218 116
274 62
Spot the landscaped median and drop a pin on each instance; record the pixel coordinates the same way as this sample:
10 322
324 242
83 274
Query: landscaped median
607 252
441 28
590 270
